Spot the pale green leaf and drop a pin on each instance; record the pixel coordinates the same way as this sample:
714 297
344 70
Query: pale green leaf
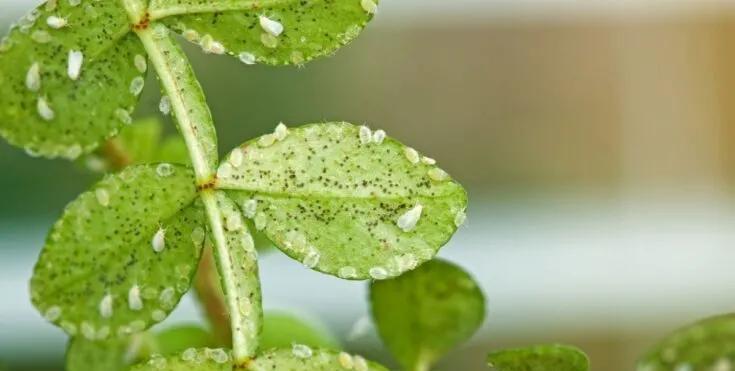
296 358
334 203
122 254
120 353
706 345
116 354
540 358
280 330
424 313
80 113
311 28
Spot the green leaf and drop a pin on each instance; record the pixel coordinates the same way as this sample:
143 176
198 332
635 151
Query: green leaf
34 68
707 344
424 313
280 330
173 150
554 357
341 206
176 339
296 358
122 254
107 355
310 28
119 354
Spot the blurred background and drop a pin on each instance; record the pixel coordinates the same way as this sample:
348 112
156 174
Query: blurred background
596 139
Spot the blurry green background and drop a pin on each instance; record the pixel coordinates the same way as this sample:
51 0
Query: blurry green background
596 139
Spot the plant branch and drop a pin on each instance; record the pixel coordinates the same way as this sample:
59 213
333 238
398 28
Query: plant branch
211 297
195 124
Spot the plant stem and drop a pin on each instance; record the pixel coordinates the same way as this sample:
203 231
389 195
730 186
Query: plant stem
195 124
210 295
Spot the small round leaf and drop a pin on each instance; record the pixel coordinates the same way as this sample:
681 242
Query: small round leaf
342 203
539 358
282 329
69 77
424 313
275 33
122 254
706 345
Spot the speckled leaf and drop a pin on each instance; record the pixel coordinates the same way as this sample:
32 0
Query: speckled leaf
296 358
424 313
176 339
334 203
706 345
281 329
122 254
539 358
310 28
34 67
300 358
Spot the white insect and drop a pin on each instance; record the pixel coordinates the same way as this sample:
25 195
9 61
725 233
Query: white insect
411 155
165 105
103 197
140 63
379 136
249 208
158 243
236 158
345 360
124 116
105 306
56 22
378 273
134 301
281 132
33 77
360 364
407 221
301 351
270 26
44 110
438 174
74 65
247 58
137 85
369 6
366 135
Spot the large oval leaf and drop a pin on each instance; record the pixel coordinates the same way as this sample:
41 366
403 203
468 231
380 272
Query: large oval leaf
271 32
425 313
343 205
707 344
297 358
69 77
540 358
122 254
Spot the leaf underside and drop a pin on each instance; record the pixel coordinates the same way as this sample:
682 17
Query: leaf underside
707 344
87 355
424 313
98 275
333 203
291 359
85 111
311 28
554 357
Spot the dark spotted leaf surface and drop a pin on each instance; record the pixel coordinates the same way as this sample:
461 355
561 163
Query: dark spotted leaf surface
540 358
706 345
80 113
335 203
425 313
122 254
311 28
296 358
280 330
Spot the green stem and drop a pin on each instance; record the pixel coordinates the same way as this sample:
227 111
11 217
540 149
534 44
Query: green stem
195 124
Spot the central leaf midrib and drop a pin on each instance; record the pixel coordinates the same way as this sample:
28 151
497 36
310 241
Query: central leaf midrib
314 196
